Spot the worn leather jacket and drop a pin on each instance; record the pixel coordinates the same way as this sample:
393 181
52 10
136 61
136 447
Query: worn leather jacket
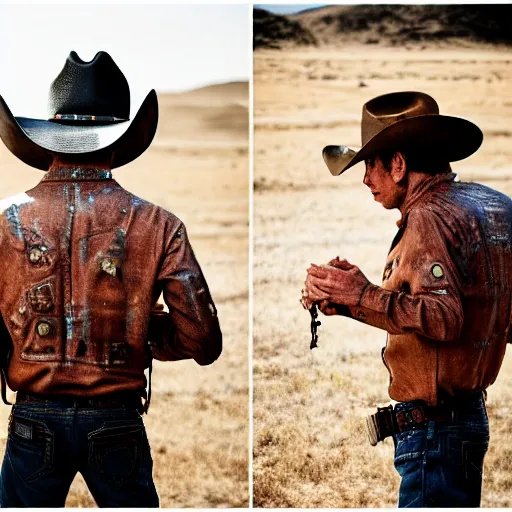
82 264
446 294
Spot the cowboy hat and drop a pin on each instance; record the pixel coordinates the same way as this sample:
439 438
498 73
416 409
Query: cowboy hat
89 113
406 121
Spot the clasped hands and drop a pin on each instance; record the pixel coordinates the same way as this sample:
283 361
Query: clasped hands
338 282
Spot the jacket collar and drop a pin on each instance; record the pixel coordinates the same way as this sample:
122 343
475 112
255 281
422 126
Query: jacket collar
419 190
77 174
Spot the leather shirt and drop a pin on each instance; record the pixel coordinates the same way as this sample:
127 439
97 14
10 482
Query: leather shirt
82 264
446 294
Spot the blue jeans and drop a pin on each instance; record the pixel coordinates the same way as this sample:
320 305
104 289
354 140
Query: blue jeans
441 464
48 443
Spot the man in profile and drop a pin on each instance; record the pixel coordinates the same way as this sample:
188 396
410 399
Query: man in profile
445 298
82 265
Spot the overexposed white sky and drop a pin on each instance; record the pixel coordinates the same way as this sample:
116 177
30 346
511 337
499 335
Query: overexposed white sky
164 47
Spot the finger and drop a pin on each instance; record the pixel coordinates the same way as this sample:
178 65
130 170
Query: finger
319 272
325 308
323 305
316 294
344 265
326 284
305 303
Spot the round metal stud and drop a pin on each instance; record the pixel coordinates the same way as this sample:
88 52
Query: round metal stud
35 254
108 266
44 329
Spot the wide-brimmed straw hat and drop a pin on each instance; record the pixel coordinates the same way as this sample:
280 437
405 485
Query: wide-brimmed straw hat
407 121
89 112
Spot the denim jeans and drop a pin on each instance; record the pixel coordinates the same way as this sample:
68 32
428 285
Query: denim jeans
48 443
441 463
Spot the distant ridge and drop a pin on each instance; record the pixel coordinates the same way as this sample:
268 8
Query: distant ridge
273 30
390 25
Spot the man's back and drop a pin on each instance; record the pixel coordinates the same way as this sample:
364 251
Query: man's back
453 253
83 262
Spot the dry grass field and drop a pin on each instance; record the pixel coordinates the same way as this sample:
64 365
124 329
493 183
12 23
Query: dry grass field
310 446
197 167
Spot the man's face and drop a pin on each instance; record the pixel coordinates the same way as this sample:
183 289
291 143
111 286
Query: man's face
382 185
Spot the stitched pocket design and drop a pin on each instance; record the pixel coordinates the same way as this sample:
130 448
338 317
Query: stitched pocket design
115 450
29 448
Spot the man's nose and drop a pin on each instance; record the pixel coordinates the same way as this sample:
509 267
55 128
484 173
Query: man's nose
366 179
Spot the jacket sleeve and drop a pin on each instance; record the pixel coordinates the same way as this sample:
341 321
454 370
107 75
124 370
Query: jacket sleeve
191 328
431 306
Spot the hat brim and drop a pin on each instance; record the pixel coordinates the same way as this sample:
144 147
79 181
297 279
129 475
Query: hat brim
34 141
439 137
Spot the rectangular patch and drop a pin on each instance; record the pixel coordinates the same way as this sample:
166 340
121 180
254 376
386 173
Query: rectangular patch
22 430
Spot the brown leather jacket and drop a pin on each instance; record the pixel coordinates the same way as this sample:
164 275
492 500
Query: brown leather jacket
82 263
447 289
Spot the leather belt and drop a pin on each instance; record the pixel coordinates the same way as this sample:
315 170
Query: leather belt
405 416
410 415
127 399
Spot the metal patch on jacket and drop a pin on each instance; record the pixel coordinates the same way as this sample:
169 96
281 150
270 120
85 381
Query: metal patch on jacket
437 271
38 254
111 261
109 266
22 430
41 298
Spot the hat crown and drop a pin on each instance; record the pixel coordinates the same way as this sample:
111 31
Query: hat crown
95 88
388 109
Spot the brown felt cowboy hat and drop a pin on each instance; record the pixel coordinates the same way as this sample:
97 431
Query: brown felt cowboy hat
406 121
89 113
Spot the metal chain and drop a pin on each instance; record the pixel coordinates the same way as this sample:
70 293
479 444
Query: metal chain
314 326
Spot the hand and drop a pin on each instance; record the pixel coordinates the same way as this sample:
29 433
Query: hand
324 306
340 284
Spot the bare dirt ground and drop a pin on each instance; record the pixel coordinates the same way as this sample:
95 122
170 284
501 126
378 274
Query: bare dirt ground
197 168
310 446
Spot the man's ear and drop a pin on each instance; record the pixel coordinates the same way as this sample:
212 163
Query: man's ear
398 167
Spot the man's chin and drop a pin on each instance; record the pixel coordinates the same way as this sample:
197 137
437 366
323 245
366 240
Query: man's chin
385 204
378 199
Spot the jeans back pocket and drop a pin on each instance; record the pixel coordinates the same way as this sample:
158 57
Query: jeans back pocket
115 449
29 447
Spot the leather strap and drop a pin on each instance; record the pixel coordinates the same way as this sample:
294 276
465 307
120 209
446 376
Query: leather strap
4 387
145 407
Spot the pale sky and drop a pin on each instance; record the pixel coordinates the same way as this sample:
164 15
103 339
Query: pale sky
163 47
287 8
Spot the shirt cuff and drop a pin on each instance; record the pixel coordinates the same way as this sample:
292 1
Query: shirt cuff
375 298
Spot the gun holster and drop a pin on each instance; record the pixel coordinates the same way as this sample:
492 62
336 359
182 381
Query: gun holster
382 424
